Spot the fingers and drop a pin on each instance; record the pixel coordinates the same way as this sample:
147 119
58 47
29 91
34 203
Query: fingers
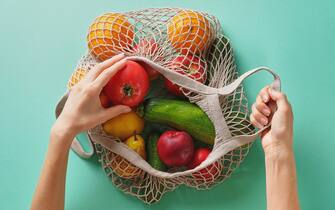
96 71
115 111
280 99
108 73
268 102
255 122
264 94
262 107
272 105
260 110
260 119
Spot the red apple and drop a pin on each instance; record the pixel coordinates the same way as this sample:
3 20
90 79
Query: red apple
148 47
172 88
210 172
175 148
188 65
199 156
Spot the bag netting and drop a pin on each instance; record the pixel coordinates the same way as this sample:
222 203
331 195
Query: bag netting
208 77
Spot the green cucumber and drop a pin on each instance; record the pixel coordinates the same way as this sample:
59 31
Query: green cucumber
152 155
181 115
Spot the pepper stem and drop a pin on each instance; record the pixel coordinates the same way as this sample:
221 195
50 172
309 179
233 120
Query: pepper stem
135 136
128 90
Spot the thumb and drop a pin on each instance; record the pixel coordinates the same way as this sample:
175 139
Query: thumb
116 110
279 98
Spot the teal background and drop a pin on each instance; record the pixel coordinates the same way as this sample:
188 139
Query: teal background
41 41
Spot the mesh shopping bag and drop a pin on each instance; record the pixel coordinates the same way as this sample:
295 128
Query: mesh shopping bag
156 38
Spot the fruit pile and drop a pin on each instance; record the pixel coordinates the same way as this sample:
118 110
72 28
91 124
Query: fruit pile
164 128
177 60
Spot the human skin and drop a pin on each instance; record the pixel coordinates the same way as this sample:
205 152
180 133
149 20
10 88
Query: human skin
83 111
277 142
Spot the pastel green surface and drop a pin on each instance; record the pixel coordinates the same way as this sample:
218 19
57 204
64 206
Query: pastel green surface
41 42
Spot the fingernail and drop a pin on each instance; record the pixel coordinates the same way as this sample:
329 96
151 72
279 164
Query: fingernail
271 89
258 125
265 98
266 112
264 121
126 109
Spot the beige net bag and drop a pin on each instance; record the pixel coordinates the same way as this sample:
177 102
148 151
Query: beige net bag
155 37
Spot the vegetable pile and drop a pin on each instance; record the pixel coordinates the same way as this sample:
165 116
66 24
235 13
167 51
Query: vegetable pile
163 128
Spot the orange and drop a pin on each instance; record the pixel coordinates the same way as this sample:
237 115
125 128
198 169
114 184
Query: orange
76 77
189 32
109 35
122 167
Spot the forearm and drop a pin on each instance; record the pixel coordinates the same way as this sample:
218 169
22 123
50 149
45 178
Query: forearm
50 190
281 179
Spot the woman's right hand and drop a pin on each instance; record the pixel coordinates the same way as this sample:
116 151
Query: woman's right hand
83 109
272 105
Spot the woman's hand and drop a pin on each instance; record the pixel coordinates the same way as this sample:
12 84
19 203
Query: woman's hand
281 177
271 104
83 109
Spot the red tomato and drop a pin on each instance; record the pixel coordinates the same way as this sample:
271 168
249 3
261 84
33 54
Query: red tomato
148 47
210 172
128 86
188 65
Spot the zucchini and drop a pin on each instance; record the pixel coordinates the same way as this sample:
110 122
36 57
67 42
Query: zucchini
181 115
152 155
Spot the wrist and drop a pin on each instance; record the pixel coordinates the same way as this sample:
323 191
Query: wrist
278 151
62 132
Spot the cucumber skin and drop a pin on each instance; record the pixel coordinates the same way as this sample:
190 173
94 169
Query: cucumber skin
181 115
152 155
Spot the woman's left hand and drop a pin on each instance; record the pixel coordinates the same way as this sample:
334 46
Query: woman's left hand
83 109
